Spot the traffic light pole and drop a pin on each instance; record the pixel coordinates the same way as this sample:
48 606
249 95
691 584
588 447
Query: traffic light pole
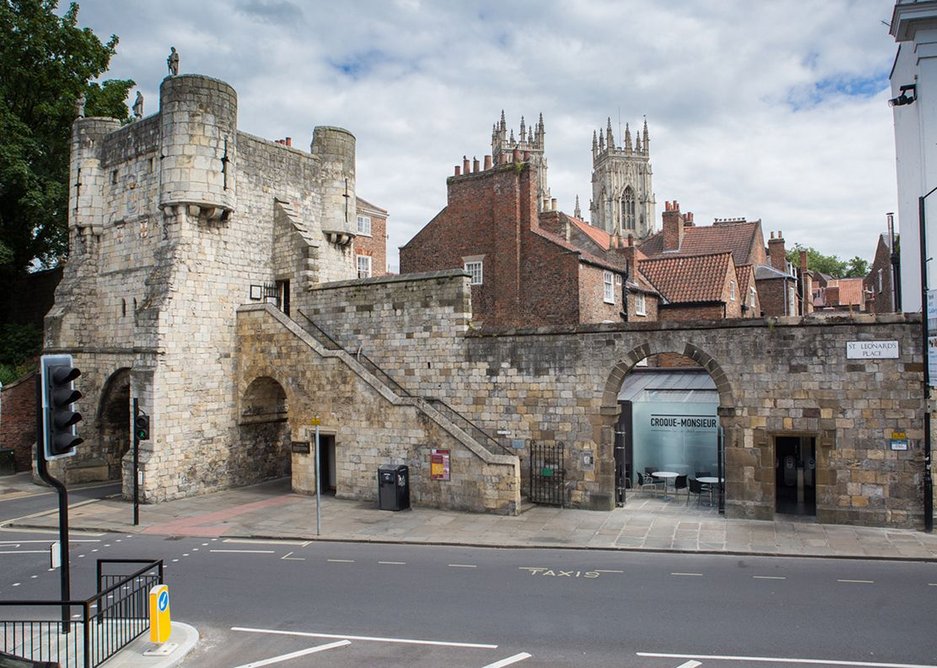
136 465
43 471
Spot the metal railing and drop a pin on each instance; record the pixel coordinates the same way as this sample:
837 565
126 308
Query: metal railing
331 344
469 427
107 622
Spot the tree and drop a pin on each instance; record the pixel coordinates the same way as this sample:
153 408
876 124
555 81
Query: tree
47 63
829 264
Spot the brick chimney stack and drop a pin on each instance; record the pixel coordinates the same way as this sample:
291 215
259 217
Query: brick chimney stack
673 224
776 253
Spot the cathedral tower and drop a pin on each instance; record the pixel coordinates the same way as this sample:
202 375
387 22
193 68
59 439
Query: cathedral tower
622 196
530 142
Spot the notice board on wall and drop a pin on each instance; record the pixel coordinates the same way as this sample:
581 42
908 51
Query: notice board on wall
439 464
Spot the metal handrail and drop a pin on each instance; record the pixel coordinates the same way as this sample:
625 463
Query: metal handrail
473 428
455 416
123 604
368 363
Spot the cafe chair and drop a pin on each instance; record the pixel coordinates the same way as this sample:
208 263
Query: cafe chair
649 483
680 483
696 487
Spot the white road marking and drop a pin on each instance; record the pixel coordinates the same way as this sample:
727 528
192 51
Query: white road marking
293 655
462 566
245 551
690 664
769 577
341 561
25 552
405 641
600 570
695 575
858 581
46 542
508 661
393 563
777 659
261 541
287 557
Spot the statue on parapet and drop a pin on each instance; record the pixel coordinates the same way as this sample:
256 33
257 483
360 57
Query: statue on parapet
80 105
173 61
138 107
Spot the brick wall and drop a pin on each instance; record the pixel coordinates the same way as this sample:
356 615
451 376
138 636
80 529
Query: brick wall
375 245
18 420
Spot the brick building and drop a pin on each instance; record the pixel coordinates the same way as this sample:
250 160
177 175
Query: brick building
765 282
522 273
370 243
879 286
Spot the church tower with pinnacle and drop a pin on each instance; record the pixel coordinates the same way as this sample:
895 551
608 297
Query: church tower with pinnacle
622 196
530 142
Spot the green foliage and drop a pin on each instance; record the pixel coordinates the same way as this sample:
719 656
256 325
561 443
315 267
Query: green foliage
19 347
829 264
47 63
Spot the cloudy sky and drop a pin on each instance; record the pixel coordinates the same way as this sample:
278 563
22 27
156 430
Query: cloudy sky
775 109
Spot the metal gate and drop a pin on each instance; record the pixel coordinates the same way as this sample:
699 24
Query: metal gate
547 476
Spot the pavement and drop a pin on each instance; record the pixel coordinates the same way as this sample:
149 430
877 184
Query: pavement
646 523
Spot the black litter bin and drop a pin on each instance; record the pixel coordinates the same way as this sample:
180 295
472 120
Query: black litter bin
393 488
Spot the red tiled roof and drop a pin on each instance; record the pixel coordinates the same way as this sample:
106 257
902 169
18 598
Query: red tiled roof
688 279
741 239
744 274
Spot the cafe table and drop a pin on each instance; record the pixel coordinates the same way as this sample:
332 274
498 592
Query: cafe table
668 477
712 481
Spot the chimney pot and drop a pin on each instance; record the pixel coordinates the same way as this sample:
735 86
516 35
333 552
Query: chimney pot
458 171
289 141
465 165
487 162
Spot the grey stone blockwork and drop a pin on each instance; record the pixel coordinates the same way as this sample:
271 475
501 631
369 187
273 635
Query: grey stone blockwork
775 378
172 219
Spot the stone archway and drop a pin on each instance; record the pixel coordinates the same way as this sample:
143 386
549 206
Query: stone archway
114 422
263 451
614 448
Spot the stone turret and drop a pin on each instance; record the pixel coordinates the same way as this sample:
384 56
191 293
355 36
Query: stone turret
87 178
198 136
334 149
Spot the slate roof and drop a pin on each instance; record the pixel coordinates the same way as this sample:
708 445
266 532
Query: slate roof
742 238
688 278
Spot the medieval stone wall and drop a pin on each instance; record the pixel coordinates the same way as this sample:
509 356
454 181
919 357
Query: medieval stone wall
775 378
372 425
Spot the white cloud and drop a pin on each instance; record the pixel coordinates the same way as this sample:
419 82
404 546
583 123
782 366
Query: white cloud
773 110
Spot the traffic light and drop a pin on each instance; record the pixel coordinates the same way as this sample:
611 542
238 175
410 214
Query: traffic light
58 395
142 427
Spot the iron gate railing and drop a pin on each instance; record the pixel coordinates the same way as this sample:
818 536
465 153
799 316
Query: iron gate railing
547 475
105 623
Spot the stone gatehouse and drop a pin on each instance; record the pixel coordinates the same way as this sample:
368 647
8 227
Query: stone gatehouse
180 227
